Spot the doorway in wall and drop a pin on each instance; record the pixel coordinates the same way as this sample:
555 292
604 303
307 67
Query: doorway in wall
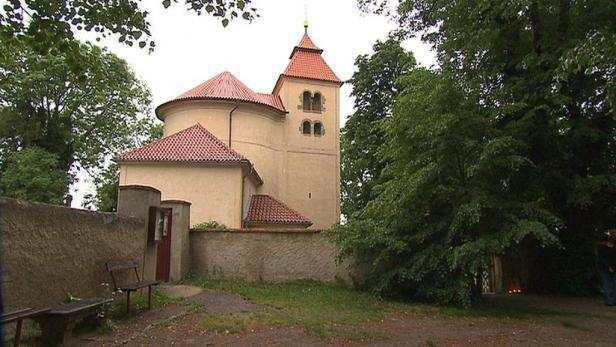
163 252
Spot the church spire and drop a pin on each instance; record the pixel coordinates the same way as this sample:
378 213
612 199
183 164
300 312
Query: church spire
305 19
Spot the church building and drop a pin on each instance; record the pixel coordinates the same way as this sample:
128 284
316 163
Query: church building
247 159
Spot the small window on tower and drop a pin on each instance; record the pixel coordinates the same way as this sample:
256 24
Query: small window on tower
318 129
306 101
306 127
316 102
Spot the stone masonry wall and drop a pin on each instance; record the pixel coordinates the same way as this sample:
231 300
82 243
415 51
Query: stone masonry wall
265 255
50 251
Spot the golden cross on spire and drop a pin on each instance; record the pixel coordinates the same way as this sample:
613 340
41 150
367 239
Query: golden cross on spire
305 18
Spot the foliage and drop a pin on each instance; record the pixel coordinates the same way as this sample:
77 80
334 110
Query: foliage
106 197
126 19
34 174
82 104
108 181
375 88
449 200
511 140
210 224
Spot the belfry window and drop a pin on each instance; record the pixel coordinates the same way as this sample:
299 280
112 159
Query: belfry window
306 127
306 101
318 129
312 102
316 102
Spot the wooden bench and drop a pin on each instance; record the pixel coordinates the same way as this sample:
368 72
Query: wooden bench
18 316
115 266
55 322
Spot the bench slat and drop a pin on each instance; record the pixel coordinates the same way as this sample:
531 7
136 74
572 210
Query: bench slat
21 314
79 306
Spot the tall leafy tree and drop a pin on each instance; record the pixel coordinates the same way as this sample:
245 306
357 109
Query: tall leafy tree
108 180
450 197
34 174
49 21
375 88
82 105
537 78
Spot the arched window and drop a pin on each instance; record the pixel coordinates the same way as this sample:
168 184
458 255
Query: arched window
306 101
318 129
306 127
316 102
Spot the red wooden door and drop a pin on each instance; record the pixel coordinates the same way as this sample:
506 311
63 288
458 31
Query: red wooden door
163 258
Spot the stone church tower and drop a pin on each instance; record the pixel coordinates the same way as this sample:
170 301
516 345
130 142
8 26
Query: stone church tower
248 159
310 91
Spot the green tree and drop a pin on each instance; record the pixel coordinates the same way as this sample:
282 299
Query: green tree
450 197
34 174
375 88
537 78
108 181
55 21
106 197
82 115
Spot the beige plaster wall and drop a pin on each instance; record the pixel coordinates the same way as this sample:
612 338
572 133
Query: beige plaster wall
272 256
50 251
215 192
256 132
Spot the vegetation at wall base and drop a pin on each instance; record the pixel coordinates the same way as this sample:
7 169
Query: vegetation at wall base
209 225
505 148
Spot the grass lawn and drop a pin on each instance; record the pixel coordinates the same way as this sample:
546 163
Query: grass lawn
332 310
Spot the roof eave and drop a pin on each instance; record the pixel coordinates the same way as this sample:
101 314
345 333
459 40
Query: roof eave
296 48
279 80
282 112
249 222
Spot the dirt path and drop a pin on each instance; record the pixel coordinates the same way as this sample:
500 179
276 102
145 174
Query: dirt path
582 322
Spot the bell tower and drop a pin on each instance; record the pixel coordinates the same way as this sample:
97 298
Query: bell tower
310 91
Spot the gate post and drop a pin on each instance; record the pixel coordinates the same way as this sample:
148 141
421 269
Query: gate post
135 201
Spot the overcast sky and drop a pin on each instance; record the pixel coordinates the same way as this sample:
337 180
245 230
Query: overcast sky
191 49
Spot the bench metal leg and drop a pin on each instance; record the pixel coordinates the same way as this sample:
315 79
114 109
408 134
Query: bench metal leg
128 302
149 297
18 332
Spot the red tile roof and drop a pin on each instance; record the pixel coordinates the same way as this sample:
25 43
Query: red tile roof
306 44
307 62
225 86
194 144
266 209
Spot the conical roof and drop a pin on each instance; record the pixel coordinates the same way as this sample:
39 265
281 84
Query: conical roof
225 86
307 62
